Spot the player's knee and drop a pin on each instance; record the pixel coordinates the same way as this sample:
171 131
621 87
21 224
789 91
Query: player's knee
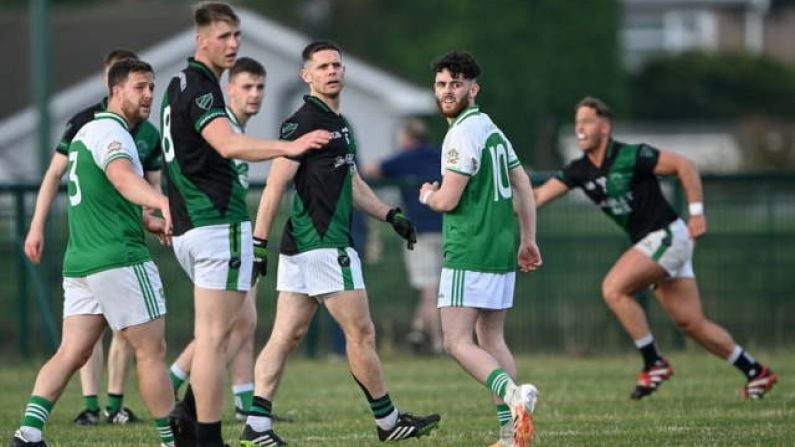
74 358
244 326
361 333
453 346
611 293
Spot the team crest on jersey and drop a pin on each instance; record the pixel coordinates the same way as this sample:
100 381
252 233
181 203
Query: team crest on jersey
288 129
452 157
341 160
114 146
142 145
205 101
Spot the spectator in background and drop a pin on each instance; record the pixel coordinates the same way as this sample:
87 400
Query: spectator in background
415 163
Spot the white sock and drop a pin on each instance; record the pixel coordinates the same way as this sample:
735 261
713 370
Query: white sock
643 341
177 371
259 423
389 421
512 394
31 434
735 354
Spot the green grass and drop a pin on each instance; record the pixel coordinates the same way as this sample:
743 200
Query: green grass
584 402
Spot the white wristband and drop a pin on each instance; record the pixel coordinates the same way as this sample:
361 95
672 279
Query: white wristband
424 197
696 209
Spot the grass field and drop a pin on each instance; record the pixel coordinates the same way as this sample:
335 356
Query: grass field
583 403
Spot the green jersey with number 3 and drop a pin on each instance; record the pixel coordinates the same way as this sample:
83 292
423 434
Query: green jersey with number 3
481 234
105 229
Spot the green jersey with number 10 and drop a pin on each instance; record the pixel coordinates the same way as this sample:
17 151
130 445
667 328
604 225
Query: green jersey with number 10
481 234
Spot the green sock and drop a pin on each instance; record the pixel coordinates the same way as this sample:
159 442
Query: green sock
91 403
164 430
498 382
243 395
177 376
503 414
115 402
36 412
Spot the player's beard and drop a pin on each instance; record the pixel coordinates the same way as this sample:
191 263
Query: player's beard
459 107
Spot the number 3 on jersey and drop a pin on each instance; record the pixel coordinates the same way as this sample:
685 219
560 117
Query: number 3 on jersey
166 141
75 194
499 162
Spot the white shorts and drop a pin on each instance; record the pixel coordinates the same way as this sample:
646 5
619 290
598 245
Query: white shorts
672 248
320 272
424 263
218 257
125 296
465 288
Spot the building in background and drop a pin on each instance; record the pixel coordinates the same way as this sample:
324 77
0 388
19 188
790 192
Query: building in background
654 26
375 100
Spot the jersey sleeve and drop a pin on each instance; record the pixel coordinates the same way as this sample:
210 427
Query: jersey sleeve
206 104
112 145
153 159
646 159
568 175
293 128
513 160
461 154
72 126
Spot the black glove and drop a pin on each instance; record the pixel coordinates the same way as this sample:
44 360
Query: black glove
260 257
402 226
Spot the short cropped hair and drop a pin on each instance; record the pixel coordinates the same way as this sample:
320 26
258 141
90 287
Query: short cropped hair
247 65
458 62
600 107
416 129
116 55
207 13
120 71
318 45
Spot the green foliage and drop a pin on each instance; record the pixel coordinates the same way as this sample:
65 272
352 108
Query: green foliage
538 58
701 86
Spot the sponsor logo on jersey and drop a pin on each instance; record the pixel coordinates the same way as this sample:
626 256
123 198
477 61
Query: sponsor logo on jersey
288 129
452 157
114 146
343 160
205 101
474 164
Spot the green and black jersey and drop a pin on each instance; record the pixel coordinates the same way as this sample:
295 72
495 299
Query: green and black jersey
145 135
321 211
203 187
625 187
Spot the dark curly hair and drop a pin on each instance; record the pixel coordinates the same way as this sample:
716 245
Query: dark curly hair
458 62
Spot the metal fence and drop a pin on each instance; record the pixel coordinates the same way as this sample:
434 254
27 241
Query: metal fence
744 265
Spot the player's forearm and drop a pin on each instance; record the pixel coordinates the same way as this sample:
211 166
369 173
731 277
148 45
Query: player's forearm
268 208
47 192
364 199
524 204
691 181
243 147
136 189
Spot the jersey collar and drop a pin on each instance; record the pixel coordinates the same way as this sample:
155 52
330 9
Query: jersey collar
318 103
233 118
193 63
113 116
466 113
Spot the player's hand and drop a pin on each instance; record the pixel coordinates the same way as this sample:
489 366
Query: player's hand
697 226
312 140
34 245
168 228
157 226
402 226
260 257
426 190
529 257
